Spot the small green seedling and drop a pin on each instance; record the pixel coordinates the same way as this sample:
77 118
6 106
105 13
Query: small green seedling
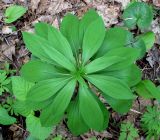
13 13
150 123
4 81
8 105
128 132
7 69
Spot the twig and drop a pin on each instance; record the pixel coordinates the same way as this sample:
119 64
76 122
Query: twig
19 127
128 18
135 111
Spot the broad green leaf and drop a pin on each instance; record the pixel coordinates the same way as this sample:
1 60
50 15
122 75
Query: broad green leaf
42 49
70 29
47 88
138 13
42 29
104 111
102 63
37 70
54 113
114 38
75 119
130 55
89 17
147 89
148 38
60 43
36 129
111 86
59 137
56 39
140 46
21 108
35 105
89 107
93 39
13 13
120 106
5 119
131 75
20 87
31 138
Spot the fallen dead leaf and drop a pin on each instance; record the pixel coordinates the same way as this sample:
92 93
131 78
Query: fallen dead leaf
156 3
7 51
7 1
34 4
109 13
6 30
123 2
50 7
155 27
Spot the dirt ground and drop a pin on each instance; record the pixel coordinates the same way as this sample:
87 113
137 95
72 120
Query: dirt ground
12 50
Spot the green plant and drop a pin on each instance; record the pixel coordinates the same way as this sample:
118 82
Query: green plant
13 13
71 67
59 137
8 105
20 88
7 69
147 90
35 128
128 131
138 13
5 118
74 61
150 122
148 38
4 81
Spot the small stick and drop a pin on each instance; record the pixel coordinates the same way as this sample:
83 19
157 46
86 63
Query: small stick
19 127
135 111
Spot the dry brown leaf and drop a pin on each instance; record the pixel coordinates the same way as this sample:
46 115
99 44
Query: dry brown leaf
7 51
156 3
123 2
51 7
34 4
58 6
155 27
109 13
6 30
7 1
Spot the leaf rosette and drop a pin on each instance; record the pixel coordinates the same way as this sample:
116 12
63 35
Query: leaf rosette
75 65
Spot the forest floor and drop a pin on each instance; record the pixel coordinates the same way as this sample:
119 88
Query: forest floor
13 51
